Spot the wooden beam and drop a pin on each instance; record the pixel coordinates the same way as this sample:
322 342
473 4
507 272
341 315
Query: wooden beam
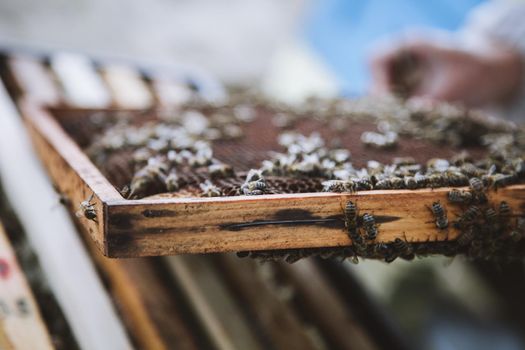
215 307
150 310
20 321
277 320
316 299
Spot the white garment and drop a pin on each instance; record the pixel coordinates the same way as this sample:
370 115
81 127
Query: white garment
500 21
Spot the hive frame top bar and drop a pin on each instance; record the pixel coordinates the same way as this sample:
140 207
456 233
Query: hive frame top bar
151 227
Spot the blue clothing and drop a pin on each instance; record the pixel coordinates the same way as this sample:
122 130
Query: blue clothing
342 31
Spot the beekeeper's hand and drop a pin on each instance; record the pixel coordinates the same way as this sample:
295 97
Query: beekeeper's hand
439 72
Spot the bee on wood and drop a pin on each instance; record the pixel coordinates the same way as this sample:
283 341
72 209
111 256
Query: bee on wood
87 209
390 183
476 185
410 182
254 175
459 196
490 215
363 185
397 182
350 215
440 215
403 248
437 180
339 186
465 237
456 178
471 170
369 224
151 176
502 180
254 188
421 180
504 210
468 217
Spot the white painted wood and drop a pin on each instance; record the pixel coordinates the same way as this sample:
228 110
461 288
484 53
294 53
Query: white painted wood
82 85
128 88
34 78
64 259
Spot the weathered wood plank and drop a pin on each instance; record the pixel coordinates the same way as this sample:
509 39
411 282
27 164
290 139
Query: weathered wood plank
20 321
147 305
199 225
278 322
324 307
214 305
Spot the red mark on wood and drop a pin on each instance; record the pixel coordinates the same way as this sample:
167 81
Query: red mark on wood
4 269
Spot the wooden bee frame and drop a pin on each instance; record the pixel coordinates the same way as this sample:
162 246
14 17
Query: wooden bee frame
151 227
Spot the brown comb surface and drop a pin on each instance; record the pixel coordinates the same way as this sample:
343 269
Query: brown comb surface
259 139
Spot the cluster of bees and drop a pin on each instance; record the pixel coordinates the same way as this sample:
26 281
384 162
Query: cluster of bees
165 150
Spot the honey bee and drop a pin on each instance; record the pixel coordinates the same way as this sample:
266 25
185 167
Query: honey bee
369 224
440 215
410 182
436 180
350 215
363 185
502 180
87 209
254 175
465 237
459 196
490 215
504 210
253 188
403 248
476 185
339 186
468 217
456 178
421 180
150 176
471 170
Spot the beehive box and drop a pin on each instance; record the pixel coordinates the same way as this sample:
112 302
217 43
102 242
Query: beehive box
189 223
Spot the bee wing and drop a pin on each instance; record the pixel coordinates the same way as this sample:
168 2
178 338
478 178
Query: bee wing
79 213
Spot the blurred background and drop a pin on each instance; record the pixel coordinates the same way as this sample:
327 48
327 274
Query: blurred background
293 49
